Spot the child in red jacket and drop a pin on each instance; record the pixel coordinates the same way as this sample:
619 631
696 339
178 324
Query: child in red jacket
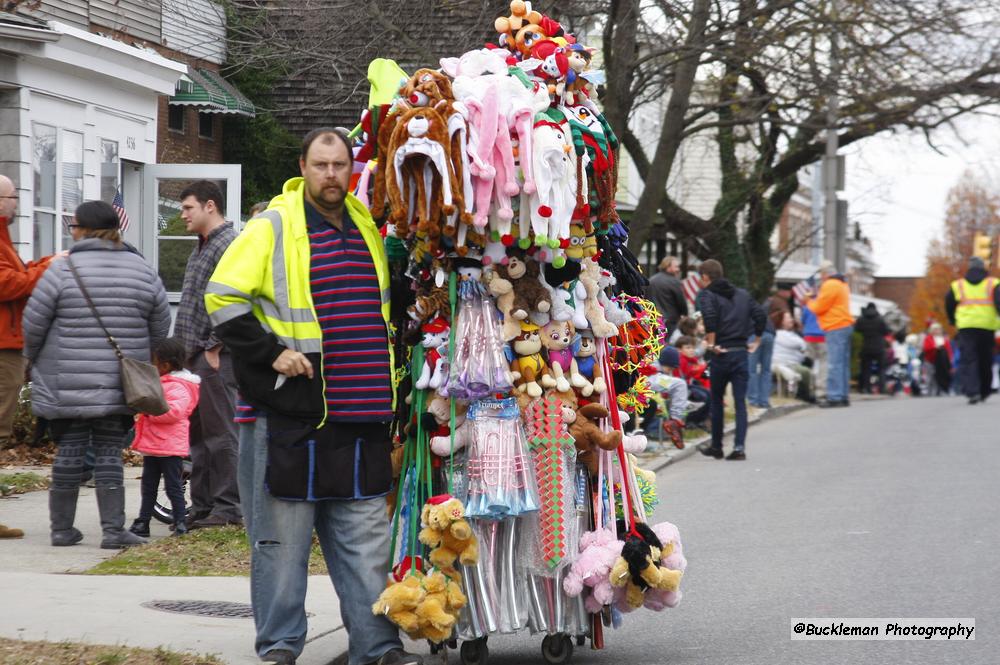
692 368
163 440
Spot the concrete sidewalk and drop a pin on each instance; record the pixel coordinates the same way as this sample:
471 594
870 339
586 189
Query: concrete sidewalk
53 605
56 604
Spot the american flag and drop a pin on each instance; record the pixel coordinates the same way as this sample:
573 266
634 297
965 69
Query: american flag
803 290
119 205
691 286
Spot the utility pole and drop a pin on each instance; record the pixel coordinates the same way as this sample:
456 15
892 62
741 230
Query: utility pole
834 210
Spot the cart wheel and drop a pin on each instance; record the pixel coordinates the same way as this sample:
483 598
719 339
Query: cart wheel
557 649
474 652
581 640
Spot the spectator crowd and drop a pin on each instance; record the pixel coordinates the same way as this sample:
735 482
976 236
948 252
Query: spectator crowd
812 349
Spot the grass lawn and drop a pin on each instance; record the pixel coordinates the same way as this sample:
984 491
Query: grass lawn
18 652
21 482
221 551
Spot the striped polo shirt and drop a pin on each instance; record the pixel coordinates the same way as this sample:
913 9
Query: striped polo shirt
348 304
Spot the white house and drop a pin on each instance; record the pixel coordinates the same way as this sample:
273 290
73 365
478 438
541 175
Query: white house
93 95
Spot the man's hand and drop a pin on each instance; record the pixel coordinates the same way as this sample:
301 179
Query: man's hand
212 356
754 345
292 363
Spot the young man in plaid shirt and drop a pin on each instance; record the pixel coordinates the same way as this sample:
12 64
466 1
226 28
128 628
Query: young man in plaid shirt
214 446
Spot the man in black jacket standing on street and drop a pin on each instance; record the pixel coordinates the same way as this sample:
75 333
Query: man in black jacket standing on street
731 316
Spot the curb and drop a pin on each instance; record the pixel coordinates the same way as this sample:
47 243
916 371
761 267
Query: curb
691 447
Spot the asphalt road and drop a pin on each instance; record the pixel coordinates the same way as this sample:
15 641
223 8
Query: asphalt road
890 508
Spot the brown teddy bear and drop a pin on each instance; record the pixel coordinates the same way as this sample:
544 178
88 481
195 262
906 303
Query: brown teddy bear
439 608
447 533
587 433
399 602
522 273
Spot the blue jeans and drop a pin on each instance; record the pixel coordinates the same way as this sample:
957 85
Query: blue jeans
759 391
354 536
838 351
730 367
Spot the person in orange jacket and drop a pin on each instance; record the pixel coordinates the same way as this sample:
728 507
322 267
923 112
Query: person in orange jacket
17 280
832 309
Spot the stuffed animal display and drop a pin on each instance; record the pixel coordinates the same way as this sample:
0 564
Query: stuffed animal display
427 605
492 176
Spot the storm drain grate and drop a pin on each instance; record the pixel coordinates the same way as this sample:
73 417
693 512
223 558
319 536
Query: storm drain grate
204 608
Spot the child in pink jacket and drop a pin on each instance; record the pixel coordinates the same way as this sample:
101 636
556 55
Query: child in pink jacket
163 440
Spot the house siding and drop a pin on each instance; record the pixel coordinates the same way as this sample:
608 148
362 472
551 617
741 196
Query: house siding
196 28
137 18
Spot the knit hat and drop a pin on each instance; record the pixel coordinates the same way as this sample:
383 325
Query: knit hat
976 262
670 357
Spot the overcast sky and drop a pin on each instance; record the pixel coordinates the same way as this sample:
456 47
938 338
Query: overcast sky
897 186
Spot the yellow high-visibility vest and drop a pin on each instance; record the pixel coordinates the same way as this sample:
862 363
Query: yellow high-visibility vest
265 271
975 304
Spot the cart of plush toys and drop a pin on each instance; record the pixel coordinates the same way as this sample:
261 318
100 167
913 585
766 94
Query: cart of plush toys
521 346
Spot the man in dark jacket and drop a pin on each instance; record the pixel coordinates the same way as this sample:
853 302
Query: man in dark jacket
667 294
215 497
973 306
731 316
873 330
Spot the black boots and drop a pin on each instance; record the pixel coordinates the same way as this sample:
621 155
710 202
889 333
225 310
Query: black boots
140 527
111 504
62 513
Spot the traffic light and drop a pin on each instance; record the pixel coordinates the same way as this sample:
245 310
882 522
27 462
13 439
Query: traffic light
982 246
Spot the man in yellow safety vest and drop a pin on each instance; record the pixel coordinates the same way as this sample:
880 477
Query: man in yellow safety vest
973 306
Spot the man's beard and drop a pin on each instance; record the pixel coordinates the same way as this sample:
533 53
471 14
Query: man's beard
329 198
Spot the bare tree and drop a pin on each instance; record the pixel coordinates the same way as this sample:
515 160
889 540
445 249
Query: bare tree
762 81
331 42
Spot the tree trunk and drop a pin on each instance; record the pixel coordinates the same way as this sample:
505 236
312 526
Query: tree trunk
672 129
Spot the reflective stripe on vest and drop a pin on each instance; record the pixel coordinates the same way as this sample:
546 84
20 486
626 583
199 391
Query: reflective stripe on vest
976 308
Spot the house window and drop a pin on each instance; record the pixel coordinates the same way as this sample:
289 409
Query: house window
175 117
110 170
206 125
57 162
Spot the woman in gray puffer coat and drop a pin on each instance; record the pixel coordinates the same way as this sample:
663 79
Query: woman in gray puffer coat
75 374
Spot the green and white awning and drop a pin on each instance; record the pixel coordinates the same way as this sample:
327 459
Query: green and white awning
211 93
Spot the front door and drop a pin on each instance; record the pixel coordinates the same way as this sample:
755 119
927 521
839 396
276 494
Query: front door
165 241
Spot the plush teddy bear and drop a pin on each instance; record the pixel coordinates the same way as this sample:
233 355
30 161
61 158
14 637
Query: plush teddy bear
528 368
398 603
447 533
590 438
592 569
441 443
522 273
435 611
